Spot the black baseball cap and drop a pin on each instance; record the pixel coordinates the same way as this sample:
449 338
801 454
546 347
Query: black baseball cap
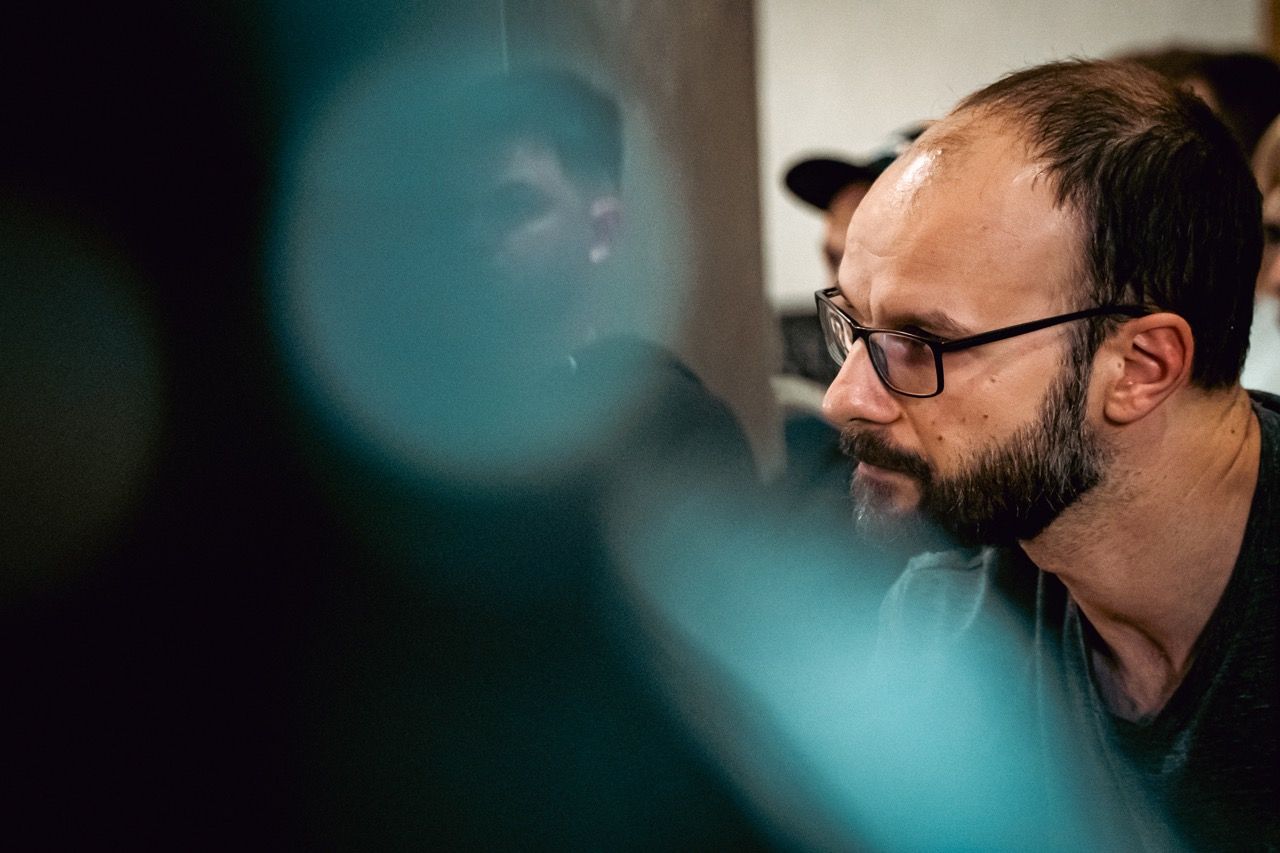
817 180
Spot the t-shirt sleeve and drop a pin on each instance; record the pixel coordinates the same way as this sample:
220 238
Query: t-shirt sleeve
936 599
956 612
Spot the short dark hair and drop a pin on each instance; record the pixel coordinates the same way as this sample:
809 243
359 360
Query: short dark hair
1171 214
1245 84
579 122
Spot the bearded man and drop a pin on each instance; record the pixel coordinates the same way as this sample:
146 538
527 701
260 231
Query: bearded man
1041 317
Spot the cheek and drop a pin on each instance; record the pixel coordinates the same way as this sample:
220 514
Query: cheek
948 437
543 246
983 405
988 393
939 430
534 239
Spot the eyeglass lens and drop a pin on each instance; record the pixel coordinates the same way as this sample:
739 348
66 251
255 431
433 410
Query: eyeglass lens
904 363
838 334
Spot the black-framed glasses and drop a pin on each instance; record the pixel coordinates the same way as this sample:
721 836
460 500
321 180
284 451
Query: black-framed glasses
911 364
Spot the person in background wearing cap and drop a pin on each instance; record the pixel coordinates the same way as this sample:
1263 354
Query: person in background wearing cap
836 187
817 475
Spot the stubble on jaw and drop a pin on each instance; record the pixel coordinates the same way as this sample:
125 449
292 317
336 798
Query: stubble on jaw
873 515
1014 490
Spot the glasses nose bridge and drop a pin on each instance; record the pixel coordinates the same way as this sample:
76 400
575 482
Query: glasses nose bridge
862 336
856 333
859 392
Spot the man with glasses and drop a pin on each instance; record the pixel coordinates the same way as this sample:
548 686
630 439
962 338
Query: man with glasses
1041 317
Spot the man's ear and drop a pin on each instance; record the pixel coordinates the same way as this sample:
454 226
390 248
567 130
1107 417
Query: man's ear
606 222
1150 358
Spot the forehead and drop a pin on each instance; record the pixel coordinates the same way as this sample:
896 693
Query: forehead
966 222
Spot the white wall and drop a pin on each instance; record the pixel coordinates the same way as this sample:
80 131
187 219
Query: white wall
839 75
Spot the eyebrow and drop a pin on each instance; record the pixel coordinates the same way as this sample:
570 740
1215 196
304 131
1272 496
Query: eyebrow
934 321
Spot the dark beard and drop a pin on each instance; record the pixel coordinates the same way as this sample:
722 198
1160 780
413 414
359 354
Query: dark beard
1013 491
1006 492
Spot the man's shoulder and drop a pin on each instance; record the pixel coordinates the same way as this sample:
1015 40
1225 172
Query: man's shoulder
1267 407
1267 497
660 410
1266 400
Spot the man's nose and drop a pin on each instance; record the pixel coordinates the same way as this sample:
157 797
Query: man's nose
857 394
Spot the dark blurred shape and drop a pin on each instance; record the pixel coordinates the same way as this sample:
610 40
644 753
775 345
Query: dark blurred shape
390 625
149 681
1242 87
476 680
82 381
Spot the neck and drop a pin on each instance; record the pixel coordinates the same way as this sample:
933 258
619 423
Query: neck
1147 554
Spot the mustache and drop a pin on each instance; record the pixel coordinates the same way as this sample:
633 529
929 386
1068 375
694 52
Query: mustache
874 450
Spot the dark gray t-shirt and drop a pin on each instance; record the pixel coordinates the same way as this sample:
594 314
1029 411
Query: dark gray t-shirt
1205 769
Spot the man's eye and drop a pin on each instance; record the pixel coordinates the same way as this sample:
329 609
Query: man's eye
1271 233
510 207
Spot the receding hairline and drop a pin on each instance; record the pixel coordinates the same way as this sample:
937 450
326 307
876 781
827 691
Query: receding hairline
956 135
1158 185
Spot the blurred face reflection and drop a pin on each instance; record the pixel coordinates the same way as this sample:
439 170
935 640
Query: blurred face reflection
436 255
1008 444
536 233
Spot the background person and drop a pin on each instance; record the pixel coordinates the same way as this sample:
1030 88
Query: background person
1266 168
1242 87
835 187
816 472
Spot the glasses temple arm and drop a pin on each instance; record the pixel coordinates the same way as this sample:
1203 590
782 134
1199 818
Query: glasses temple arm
1036 325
